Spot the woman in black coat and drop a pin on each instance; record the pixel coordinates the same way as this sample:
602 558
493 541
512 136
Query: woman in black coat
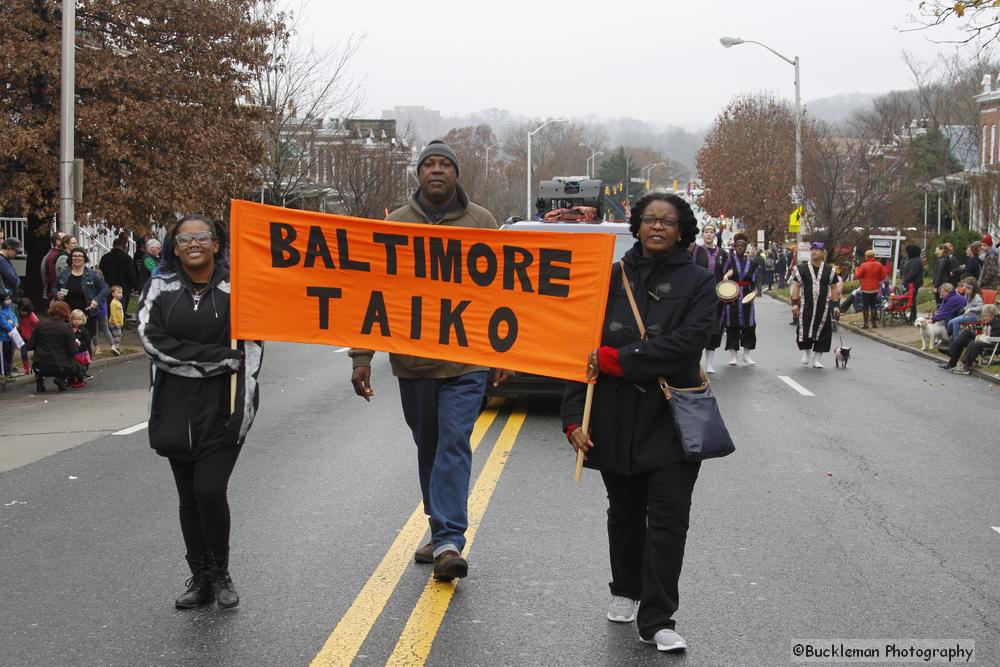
54 345
184 326
632 439
913 276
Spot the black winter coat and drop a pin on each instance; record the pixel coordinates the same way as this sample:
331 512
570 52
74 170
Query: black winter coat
913 271
187 341
119 269
631 425
53 343
946 265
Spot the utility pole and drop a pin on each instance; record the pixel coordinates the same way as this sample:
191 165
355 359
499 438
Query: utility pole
67 213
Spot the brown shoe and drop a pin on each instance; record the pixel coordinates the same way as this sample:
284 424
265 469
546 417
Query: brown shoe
424 554
450 565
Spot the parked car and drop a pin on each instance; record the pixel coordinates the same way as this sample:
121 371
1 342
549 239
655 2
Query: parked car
529 383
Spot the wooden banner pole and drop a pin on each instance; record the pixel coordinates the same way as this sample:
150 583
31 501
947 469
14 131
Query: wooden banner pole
586 429
232 382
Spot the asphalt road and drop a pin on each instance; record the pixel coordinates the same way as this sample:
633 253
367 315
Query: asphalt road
866 510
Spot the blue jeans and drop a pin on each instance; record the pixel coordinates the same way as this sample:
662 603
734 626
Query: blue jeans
441 414
955 324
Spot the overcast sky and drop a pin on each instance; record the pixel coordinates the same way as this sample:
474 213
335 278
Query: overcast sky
658 61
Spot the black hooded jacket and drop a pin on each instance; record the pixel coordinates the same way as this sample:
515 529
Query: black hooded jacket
631 425
187 341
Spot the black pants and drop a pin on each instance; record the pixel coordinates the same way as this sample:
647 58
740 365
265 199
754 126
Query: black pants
965 347
737 337
50 371
204 508
647 530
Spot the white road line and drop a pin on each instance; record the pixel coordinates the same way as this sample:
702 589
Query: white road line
996 528
343 349
795 385
131 429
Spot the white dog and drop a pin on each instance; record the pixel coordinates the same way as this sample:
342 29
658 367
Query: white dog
932 334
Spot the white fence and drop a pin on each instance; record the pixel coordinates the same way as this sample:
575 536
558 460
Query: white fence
96 240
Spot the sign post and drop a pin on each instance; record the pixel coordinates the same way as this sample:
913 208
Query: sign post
884 244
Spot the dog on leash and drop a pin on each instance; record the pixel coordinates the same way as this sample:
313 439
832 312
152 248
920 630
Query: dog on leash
841 356
931 333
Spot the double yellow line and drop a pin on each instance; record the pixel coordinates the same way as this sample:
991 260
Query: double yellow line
414 644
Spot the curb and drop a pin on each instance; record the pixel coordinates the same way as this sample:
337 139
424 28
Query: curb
107 361
905 348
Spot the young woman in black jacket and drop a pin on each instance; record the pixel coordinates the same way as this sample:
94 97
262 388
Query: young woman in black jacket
184 327
632 439
913 276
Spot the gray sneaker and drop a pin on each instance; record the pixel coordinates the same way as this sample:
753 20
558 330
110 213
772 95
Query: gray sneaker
666 640
961 370
622 609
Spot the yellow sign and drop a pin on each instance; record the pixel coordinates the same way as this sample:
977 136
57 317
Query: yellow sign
795 221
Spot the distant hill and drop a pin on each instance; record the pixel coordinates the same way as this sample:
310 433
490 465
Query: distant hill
839 108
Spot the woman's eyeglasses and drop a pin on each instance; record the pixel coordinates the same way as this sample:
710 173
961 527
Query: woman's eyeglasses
185 239
650 220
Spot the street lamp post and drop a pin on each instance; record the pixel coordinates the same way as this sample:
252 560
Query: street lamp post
488 149
799 196
591 159
67 214
527 208
646 172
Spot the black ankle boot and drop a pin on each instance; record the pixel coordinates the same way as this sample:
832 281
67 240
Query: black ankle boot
60 383
199 586
39 383
222 584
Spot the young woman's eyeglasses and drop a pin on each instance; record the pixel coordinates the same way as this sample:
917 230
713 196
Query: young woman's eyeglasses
184 238
650 220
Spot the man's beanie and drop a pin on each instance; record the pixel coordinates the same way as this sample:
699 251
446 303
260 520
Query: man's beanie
438 147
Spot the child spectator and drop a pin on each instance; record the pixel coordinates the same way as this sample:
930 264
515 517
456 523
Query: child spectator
78 320
101 329
973 306
8 326
116 319
26 326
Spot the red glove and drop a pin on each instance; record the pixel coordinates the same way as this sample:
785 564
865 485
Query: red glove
607 361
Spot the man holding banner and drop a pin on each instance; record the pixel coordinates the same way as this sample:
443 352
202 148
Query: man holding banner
441 399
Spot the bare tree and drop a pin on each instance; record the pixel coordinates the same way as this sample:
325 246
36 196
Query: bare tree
978 19
369 177
302 87
854 188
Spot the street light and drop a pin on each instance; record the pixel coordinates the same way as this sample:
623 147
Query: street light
644 174
67 215
527 209
592 158
799 194
488 149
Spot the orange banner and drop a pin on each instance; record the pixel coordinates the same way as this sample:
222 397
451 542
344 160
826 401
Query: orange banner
524 301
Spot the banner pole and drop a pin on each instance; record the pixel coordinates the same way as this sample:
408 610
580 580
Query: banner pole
232 382
588 404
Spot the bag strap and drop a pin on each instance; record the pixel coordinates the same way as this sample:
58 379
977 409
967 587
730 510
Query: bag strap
662 381
631 301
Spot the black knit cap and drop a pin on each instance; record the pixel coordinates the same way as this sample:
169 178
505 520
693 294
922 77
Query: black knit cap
438 147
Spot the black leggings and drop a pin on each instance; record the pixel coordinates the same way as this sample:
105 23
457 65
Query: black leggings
204 508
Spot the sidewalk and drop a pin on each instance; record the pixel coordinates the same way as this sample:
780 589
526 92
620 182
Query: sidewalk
903 337
131 348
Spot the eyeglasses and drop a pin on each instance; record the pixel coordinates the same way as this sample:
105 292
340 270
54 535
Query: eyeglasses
184 238
650 220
